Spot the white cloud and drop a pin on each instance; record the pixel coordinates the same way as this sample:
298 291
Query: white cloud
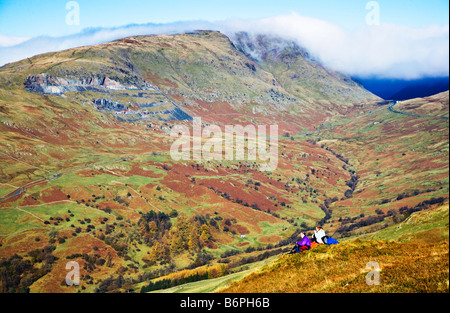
91 36
386 50
7 41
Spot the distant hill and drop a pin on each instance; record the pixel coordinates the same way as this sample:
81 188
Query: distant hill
435 105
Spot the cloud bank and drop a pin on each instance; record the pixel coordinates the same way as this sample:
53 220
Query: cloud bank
7 41
383 51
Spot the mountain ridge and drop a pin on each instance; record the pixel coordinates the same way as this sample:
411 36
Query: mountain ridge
213 49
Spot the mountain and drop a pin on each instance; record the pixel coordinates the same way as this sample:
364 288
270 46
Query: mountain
88 175
298 72
201 69
398 89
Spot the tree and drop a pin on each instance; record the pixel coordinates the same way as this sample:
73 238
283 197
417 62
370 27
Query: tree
205 234
194 238
348 194
179 235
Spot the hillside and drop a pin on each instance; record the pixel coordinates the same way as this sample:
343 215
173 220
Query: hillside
87 176
424 226
419 264
299 74
436 105
332 269
399 158
404 268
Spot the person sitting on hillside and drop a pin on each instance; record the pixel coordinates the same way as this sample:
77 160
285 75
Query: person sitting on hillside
319 236
300 246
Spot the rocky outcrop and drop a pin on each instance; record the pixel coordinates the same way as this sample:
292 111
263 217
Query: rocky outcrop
107 105
48 84
105 86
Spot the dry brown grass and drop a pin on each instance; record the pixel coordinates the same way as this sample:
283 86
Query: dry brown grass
404 268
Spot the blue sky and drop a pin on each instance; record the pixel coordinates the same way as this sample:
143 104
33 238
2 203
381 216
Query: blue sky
31 18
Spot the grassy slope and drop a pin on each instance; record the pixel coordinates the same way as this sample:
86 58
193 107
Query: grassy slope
412 256
405 267
436 105
424 226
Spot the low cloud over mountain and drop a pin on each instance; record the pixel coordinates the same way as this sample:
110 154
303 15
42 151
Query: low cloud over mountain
385 51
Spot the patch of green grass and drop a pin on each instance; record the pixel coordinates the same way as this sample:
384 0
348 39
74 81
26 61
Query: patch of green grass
72 179
418 226
137 180
6 189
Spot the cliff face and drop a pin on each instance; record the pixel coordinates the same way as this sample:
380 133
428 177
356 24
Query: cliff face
127 103
57 85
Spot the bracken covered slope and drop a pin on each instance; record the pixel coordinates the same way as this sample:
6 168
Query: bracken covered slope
413 258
